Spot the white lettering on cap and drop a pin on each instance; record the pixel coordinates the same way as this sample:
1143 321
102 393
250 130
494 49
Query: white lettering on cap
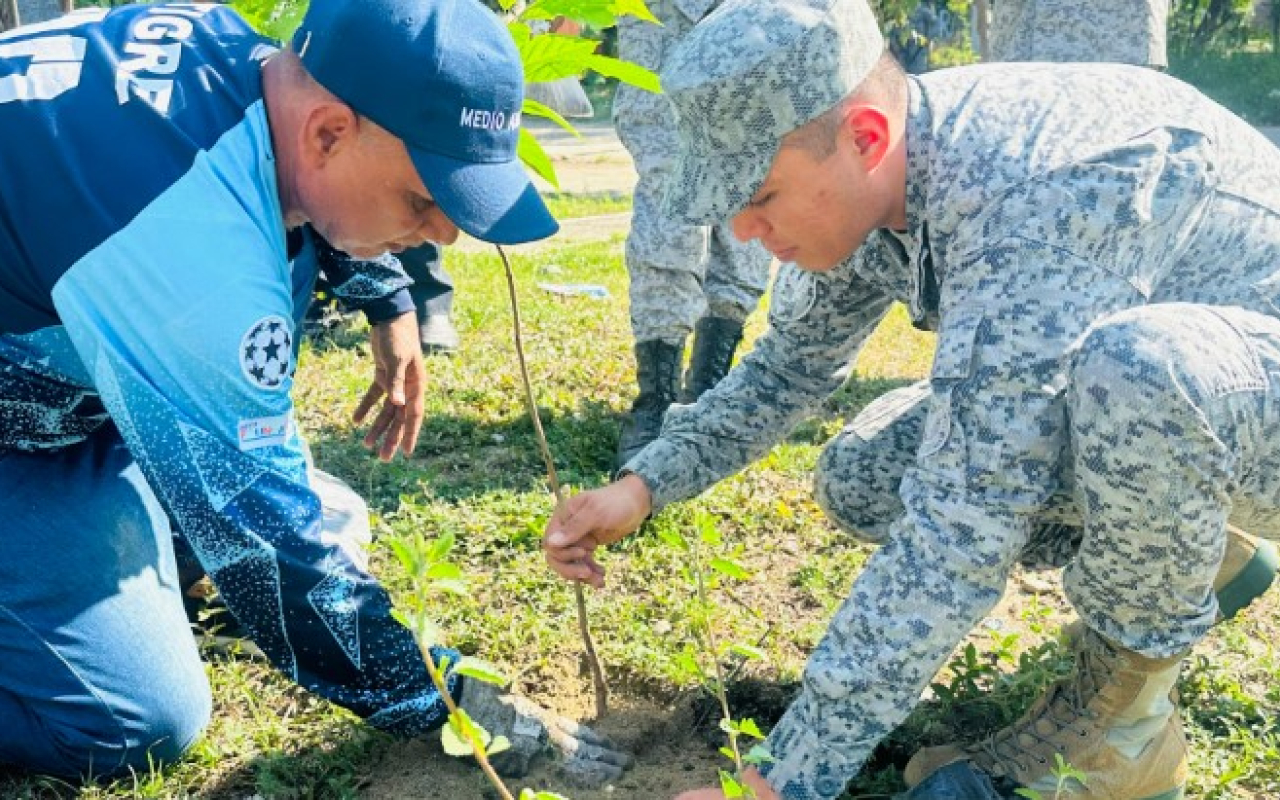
484 120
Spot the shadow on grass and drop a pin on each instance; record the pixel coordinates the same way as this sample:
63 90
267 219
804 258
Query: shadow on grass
461 457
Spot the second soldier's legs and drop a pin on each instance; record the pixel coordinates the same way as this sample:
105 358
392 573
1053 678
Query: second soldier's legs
432 293
1175 419
682 278
1174 414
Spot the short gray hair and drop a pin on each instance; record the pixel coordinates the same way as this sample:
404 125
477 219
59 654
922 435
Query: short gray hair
885 83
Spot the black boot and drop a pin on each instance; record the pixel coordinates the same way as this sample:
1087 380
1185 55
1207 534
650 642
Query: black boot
658 375
715 339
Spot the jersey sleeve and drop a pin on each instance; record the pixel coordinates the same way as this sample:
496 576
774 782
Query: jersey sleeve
183 320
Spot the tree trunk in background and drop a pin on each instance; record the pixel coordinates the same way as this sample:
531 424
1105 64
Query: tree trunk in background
8 14
980 14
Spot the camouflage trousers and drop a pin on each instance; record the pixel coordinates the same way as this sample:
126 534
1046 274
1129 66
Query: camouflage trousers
679 273
1121 31
1174 431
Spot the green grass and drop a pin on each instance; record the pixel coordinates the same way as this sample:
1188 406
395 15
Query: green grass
1248 83
478 474
568 205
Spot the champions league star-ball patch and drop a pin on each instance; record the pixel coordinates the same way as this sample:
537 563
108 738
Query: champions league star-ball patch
266 352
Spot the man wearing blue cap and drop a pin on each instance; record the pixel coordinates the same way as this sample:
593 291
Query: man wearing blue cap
162 171
1098 250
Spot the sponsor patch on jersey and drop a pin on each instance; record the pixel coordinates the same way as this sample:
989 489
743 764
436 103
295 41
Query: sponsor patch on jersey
794 293
263 431
266 352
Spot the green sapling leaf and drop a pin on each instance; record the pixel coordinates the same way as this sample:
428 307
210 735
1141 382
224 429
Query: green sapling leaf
625 71
455 737
441 547
447 577
749 727
673 538
480 670
729 569
535 158
532 108
405 555
730 785
498 744
757 755
747 651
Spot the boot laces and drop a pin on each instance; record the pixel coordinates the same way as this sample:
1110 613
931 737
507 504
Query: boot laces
1038 734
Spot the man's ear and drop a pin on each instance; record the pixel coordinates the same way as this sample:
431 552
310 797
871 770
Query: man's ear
330 128
865 129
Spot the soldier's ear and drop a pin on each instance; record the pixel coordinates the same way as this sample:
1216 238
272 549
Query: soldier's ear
866 128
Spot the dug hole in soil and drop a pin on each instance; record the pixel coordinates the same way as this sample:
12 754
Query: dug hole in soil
675 737
675 744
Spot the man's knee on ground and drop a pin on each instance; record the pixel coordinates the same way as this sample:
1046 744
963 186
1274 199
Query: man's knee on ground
838 489
141 735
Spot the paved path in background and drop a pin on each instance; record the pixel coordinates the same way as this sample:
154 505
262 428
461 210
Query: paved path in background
594 163
597 162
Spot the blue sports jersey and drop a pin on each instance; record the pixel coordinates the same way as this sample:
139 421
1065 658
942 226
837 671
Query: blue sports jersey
145 280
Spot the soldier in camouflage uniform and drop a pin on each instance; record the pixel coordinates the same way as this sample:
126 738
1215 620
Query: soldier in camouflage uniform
1098 250
1119 31
683 277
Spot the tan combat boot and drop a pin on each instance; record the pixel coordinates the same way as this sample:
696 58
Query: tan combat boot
1115 720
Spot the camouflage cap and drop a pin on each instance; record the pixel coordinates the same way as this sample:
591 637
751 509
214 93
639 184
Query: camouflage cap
746 76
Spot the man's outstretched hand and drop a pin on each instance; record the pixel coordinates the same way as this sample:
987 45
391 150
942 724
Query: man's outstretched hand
584 758
588 520
399 380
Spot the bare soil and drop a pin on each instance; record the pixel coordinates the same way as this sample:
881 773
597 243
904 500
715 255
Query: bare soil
674 739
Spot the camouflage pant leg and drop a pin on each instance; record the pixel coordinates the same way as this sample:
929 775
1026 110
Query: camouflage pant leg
677 271
860 471
1121 31
1175 424
737 274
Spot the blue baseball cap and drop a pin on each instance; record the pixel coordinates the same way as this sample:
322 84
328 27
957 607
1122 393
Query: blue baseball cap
444 77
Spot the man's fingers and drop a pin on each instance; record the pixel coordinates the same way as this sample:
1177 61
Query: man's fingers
413 414
370 399
391 436
584 570
396 373
570 523
386 413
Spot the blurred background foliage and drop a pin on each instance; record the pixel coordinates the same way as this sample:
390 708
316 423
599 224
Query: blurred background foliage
1230 49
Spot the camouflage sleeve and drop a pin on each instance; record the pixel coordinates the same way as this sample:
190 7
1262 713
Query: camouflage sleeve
817 323
1045 262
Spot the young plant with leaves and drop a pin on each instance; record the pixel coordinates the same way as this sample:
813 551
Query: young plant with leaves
703 659
552 56
430 574
1065 775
